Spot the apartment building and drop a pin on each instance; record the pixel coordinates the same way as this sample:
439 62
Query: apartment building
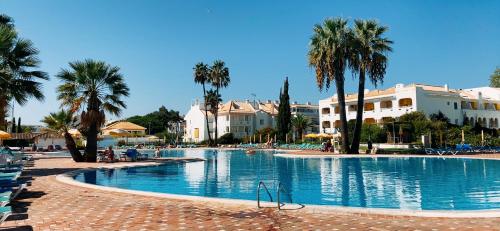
241 118
474 105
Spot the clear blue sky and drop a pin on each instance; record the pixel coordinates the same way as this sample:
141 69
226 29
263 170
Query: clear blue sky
156 43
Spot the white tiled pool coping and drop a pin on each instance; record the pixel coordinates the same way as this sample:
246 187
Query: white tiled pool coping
68 179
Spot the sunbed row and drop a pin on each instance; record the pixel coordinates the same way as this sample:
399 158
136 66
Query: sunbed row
11 185
462 149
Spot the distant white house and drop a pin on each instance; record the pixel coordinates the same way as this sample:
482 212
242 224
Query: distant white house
310 111
474 105
241 118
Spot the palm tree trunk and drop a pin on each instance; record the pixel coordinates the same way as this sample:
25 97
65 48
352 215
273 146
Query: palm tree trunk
91 147
206 114
359 113
343 118
216 132
71 145
3 112
216 115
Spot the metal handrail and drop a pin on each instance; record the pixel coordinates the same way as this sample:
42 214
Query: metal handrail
261 183
279 189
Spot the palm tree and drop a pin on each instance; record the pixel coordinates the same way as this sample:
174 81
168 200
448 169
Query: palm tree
219 77
6 20
95 88
201 76
329 54
18 68
213 100
368 58
300 123
62 121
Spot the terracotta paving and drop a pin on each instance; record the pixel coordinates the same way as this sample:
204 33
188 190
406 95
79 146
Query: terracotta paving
52 205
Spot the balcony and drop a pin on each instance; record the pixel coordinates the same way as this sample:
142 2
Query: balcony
369 107
325 111
386 105
370 121
405 102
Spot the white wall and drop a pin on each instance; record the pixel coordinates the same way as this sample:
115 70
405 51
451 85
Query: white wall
195 119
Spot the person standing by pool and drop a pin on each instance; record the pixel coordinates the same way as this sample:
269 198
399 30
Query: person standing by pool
157 153
110 154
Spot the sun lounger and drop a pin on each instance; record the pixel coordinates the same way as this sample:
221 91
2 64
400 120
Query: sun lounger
5 212
13 190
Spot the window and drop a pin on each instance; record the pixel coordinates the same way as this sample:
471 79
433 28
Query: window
261 122
247 118
246 129
227 128
455 105
456 120
448 103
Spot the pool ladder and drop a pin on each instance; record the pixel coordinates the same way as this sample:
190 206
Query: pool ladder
280 189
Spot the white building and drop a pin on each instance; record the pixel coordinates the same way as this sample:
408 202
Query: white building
476 105
241 118
309 111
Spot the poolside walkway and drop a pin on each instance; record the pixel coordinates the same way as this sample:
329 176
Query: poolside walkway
52 205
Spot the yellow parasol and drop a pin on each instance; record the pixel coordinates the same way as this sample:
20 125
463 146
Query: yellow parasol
153 138
4 135
312 135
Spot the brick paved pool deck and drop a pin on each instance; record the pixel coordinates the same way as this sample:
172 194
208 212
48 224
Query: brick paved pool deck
53 205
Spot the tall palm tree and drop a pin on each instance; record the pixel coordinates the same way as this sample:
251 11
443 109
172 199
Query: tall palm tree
62 121
201 76
219 77
19 74
370 47
95 88
6 20
213 100
300 123
329 54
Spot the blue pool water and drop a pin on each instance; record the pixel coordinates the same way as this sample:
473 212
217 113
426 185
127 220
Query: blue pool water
415 183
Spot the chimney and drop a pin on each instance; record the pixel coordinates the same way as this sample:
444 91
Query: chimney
276 102
295 102
247 101
309 103
268 101
446 88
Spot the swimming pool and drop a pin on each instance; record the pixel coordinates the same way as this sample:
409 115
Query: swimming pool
410 183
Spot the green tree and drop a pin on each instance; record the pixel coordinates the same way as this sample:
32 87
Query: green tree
62 121
202 76
328 54
19 74
419 124
19 128
300 123
13 126
283 120
495 78
95 88
157 122
219 78
368 58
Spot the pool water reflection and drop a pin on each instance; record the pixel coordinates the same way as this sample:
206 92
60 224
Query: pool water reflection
416 183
